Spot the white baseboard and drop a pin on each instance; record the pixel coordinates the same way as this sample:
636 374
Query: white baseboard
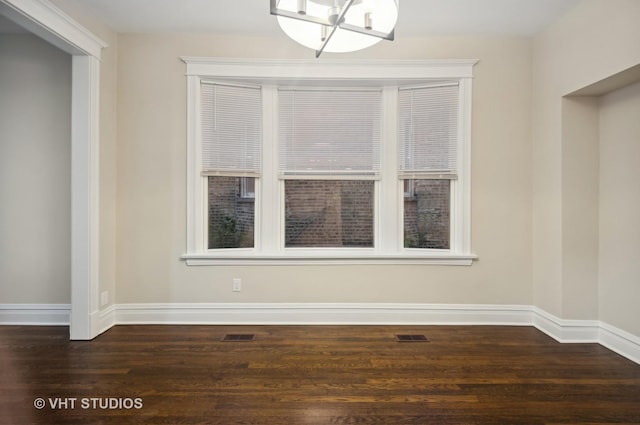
106 319
35 314
619 341
322 314
588 331
565 331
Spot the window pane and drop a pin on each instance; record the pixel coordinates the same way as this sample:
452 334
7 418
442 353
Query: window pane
426 214
329 213
231 216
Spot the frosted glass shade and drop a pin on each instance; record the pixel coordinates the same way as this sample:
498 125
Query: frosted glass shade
383 16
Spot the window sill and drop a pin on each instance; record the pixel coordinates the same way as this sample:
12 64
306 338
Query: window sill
346 259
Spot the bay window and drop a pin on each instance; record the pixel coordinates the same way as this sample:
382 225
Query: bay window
328 162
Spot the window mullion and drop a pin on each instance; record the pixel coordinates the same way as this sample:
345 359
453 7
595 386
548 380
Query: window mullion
268 221
388 208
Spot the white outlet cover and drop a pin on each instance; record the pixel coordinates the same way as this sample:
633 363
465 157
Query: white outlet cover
237 285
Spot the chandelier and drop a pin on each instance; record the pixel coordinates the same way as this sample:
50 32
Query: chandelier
337 25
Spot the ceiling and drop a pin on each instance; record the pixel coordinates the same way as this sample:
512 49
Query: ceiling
417 17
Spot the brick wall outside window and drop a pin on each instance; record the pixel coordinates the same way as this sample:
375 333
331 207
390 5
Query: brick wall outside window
231 217
427 215
329 213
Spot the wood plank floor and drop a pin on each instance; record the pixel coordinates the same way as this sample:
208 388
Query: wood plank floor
312 375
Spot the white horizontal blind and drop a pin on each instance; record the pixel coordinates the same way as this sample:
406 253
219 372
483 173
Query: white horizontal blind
428 131
231 129
329 133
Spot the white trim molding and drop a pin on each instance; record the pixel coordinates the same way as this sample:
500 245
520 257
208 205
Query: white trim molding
52 24
620 341
588 331
262 70
399 314
321 314
298 260
85 201
567 331
106 319
35 314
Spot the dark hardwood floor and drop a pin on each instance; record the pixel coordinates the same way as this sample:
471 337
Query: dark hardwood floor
312 375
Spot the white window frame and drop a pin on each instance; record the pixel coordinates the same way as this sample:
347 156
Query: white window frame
269 215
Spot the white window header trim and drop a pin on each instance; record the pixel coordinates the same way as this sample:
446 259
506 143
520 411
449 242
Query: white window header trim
266 70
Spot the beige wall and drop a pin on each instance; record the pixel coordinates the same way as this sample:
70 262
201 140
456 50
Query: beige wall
35 169
151 189
620 208
579 220
597 39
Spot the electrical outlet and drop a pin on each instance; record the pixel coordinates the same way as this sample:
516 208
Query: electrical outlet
237 285
104 298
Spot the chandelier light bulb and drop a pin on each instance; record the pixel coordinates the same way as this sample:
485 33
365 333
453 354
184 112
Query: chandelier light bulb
368 21
302 7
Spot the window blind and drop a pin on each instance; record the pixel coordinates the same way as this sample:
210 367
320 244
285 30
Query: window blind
329 133
231 129
428 131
